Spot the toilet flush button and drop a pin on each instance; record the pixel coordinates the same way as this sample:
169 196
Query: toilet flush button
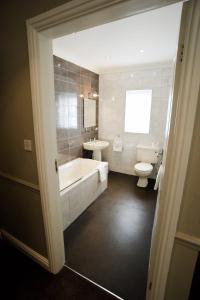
27 145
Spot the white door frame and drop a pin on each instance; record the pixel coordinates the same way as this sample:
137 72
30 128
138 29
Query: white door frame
185 99
81 14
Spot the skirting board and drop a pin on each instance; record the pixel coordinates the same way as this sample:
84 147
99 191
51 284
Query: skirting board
20 181
38 258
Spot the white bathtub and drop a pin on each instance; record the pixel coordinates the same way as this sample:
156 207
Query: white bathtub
79 187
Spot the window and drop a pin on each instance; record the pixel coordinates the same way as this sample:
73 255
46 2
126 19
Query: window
138 111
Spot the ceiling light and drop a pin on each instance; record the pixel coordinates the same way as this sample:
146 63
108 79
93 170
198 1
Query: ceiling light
141 51
131 75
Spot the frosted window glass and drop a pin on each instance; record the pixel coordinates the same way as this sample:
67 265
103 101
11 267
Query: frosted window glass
138 111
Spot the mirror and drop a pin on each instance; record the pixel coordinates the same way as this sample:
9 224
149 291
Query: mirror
89 113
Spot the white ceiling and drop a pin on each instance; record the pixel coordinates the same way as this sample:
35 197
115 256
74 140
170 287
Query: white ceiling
145 38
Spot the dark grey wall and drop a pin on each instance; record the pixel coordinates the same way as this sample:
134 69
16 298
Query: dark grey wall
70 82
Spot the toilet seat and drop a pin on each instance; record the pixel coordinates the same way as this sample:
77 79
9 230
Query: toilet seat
143 170
143 167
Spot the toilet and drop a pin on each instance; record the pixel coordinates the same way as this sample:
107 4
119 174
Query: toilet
146 156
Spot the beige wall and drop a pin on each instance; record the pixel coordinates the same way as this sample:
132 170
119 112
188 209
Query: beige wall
21 214
23 217
181 270
189 220
184 254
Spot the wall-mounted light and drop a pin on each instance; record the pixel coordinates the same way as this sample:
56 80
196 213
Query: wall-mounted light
81 96
93 95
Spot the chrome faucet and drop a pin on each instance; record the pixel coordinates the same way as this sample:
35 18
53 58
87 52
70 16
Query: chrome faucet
93 140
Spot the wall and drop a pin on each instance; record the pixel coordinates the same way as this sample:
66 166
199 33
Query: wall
189 219
16 123
181 271
21 214
185 254
71 81
112 90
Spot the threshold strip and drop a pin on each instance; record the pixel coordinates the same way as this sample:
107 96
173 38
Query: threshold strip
101 287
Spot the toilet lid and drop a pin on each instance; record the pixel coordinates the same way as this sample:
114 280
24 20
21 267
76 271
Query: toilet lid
144 167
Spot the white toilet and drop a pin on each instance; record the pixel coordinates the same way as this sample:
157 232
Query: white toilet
146 156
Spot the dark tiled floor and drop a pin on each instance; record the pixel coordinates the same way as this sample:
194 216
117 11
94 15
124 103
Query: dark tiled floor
110 242
22 279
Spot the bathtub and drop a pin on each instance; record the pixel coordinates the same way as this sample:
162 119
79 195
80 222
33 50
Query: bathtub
80 185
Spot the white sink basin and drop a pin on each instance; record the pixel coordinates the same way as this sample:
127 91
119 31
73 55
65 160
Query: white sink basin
96 146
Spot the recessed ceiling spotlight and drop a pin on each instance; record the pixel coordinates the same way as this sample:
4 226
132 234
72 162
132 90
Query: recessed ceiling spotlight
107 57
141 51
131 75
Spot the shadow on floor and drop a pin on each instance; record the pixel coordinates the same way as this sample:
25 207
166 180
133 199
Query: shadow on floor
110 242
23 279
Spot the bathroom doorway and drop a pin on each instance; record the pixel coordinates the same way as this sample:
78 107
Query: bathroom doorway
119 97
55 265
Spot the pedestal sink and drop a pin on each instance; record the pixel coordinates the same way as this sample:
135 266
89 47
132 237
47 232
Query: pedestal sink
96 146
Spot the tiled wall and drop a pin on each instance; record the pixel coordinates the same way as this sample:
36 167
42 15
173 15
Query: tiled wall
112 90
70 82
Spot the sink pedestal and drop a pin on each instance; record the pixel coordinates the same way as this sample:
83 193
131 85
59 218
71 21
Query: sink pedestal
97 155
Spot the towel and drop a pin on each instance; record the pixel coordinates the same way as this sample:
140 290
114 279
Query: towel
159 177
117 144
102 172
